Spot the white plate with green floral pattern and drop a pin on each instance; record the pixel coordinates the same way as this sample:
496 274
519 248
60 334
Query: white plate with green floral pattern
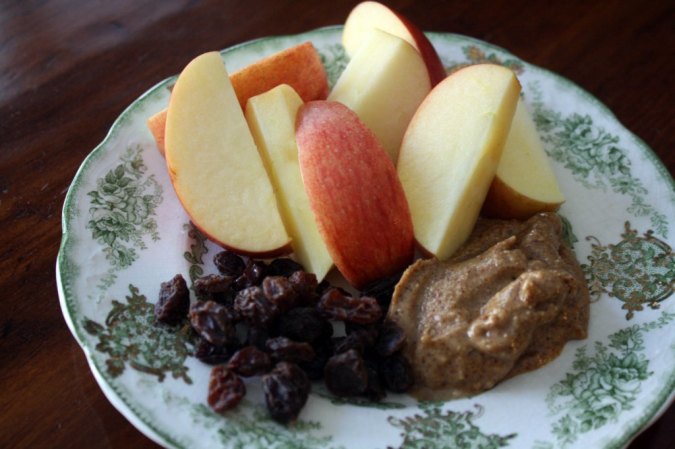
124 232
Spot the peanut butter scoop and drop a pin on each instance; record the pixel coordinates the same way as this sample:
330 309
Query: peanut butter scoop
505 303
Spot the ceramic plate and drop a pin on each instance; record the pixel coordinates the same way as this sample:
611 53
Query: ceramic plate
125 233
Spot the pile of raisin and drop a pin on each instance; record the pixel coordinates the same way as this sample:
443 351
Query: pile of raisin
274 320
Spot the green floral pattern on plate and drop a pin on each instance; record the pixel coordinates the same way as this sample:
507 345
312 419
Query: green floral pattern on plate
638 271
130 335
438 429
122 212
602 385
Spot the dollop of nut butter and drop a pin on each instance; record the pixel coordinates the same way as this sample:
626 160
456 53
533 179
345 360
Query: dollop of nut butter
505 303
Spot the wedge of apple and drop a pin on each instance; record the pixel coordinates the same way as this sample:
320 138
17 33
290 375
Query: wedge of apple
156 123
299 66
357 199
271 118
214 164
367 16
525 183
451 150
384 83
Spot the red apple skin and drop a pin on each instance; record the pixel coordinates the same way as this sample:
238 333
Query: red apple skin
427 50
357 199
378 15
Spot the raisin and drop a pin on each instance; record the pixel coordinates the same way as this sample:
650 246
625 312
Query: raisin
286 390
174 301
374 390
390 339
304 324
323 350
283 267
252 305
210 353
215 287
212 322
345 374
358 339
229 263
335 305
305 284
226 389
382 290
250 361
280 291
396 373
253 275
284 349
257 336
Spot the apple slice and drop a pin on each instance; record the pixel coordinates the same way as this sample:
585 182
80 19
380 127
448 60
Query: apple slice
356 197
367 16
214 164
299 66
384 83
271 117
525 183
157 125
451 150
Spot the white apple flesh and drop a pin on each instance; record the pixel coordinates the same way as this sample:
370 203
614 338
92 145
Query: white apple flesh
524 183
214 164
271 117
450 153
384 83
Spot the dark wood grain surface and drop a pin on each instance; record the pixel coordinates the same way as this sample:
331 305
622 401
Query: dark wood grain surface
68 68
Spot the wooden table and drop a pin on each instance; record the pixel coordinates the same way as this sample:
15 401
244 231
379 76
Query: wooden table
68 68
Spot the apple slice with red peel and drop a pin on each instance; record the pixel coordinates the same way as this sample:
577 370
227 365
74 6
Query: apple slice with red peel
369 15
525 183
357 199
451 150
214 164
299 66
271 117
384 83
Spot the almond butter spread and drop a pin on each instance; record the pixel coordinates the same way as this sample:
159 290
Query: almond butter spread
505 303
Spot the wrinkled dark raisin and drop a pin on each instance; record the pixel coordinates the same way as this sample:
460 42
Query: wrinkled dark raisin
390 339
226 389
250 361
174 301
286 390
382 290
345 374
306 285
253 275
212 322
257 336
323 350
374 390
280 291
358 339
283 267
282 348
215 287
229 263
396 373
210 353
335 305
252 305
304 324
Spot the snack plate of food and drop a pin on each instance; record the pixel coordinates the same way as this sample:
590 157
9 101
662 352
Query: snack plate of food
125 232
